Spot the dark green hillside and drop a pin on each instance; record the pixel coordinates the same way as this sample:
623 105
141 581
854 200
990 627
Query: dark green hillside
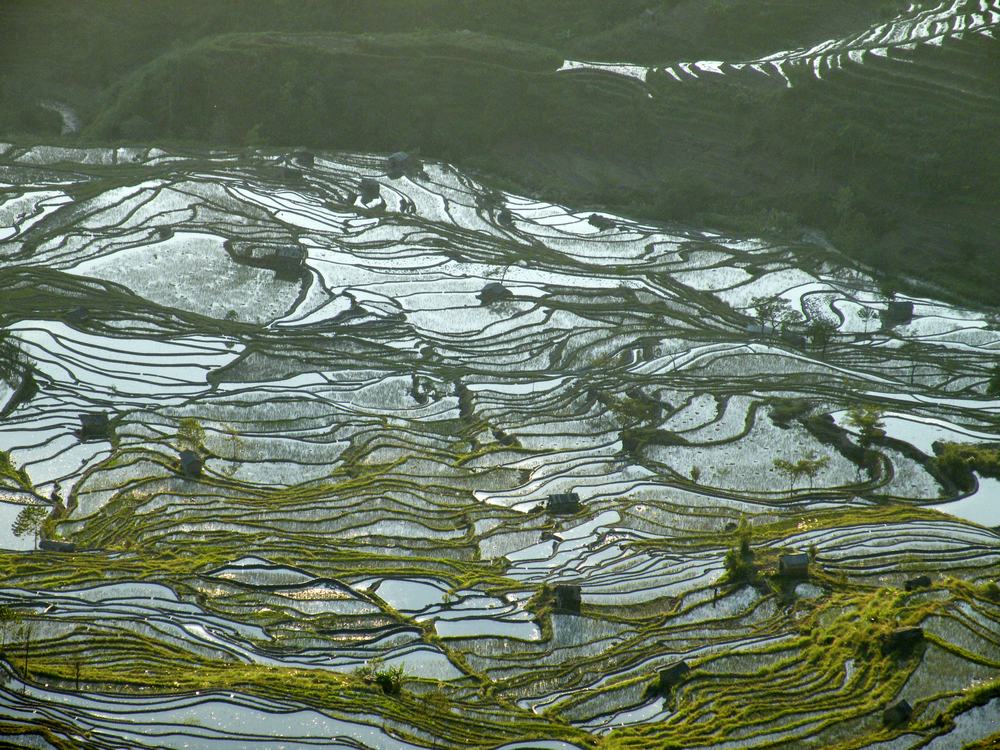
896 161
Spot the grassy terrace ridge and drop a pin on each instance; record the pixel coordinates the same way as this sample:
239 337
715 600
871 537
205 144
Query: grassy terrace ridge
368 544
873 155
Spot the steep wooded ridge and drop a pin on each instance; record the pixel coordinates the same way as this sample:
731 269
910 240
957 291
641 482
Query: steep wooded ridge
885 140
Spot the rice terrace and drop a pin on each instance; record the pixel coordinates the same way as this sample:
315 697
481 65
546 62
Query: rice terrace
341 444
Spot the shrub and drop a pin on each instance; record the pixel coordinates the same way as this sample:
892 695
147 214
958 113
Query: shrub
389 679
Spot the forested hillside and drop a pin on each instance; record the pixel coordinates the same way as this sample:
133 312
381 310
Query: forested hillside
895 157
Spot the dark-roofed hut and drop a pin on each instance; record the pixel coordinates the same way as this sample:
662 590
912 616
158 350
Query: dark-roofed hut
191 464
902 640
494 292
673 674
897 313
563 503
369 190
794 566
896 714
77 315
54 545
567 599
920 582
505 218
94 426
400 164
600 222
289 259
305 158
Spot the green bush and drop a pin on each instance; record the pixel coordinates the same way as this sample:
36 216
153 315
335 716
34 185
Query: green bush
957 461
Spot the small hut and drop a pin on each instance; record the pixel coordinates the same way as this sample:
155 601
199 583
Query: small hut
369 190
191 464
563 503
163 233
400 164
902 640
567 599
794 338
920 582
505 218
289 259
54 545
897 714
94 427
494 292
897 314
758 329
78 315
794 565
304 158
673 674
600 222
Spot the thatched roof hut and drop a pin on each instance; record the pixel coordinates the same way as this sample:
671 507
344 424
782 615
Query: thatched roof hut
567 599
794 565
191 464
94 426
563 503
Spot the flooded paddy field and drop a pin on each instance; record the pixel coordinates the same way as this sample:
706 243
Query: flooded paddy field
374 461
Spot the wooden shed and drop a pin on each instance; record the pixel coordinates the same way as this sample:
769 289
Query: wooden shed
600 222
897 313
191 464
920 582
289 259
54 545
897 714
94 426
673 674
494 292
902 640
563 503
369 190
567 599
794 566
78 315
401 163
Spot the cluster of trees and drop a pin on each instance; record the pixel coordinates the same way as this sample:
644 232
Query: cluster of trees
809 466
13 360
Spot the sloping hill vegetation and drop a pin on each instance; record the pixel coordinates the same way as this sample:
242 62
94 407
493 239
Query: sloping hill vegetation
895 160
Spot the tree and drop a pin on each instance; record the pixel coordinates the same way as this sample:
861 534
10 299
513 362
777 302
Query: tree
13 360
812 465
9 471
867 418
30 520
867 314
993 384
190 435
739 559
774 311
820 331
8 616
27 630
788 469
807 466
